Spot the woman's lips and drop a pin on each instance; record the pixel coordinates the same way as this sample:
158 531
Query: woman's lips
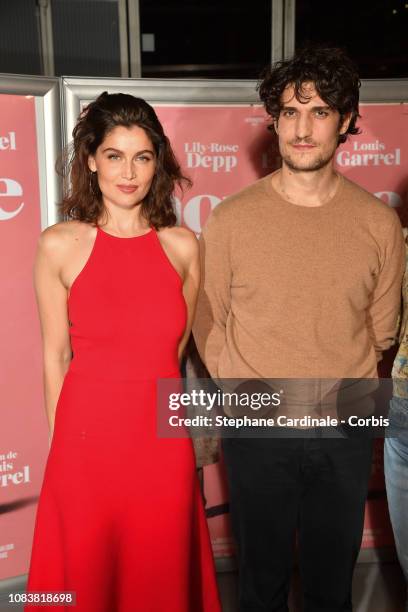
127 188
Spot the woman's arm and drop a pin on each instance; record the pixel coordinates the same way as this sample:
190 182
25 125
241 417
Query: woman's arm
181 248
191 260
52 306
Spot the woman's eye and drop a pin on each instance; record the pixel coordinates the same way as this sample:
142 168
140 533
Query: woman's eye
143 158
113 156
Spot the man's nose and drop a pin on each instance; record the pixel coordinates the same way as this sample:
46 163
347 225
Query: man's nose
304 126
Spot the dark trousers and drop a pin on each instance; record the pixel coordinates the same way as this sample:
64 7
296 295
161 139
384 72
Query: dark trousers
315 486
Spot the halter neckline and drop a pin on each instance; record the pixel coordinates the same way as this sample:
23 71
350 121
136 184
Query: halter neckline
151 230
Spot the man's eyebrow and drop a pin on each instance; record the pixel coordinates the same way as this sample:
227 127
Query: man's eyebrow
313 108
119 151
321 107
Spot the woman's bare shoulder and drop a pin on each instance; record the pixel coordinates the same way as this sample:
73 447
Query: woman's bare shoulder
59 243
61 236
180 239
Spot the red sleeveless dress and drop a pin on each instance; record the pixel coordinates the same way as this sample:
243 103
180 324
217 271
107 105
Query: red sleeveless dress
120 520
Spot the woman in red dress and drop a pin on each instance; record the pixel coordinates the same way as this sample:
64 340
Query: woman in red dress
120 520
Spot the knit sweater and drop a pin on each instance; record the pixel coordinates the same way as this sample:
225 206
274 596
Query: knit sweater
290 291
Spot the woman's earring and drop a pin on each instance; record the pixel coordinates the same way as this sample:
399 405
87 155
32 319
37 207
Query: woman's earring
92 175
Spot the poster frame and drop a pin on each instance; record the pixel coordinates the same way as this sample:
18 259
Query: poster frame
46 91
58 103
77 90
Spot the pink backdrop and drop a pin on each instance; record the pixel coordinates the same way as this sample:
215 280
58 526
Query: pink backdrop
222 149
23 441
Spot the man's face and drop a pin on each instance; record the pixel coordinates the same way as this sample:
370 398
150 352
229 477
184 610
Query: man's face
308 131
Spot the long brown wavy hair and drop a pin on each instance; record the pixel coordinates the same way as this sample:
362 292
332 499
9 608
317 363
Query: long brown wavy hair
82 197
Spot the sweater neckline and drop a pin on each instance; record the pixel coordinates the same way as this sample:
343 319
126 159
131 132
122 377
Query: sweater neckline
325 208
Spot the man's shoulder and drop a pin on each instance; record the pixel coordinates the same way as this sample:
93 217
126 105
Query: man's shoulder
251 196
367 204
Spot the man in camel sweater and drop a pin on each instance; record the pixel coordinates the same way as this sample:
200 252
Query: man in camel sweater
301 278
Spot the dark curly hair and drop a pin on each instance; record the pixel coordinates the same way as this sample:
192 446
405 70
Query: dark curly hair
82 198
330 70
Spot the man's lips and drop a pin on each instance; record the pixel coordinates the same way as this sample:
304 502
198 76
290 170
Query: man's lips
303 147
127 188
